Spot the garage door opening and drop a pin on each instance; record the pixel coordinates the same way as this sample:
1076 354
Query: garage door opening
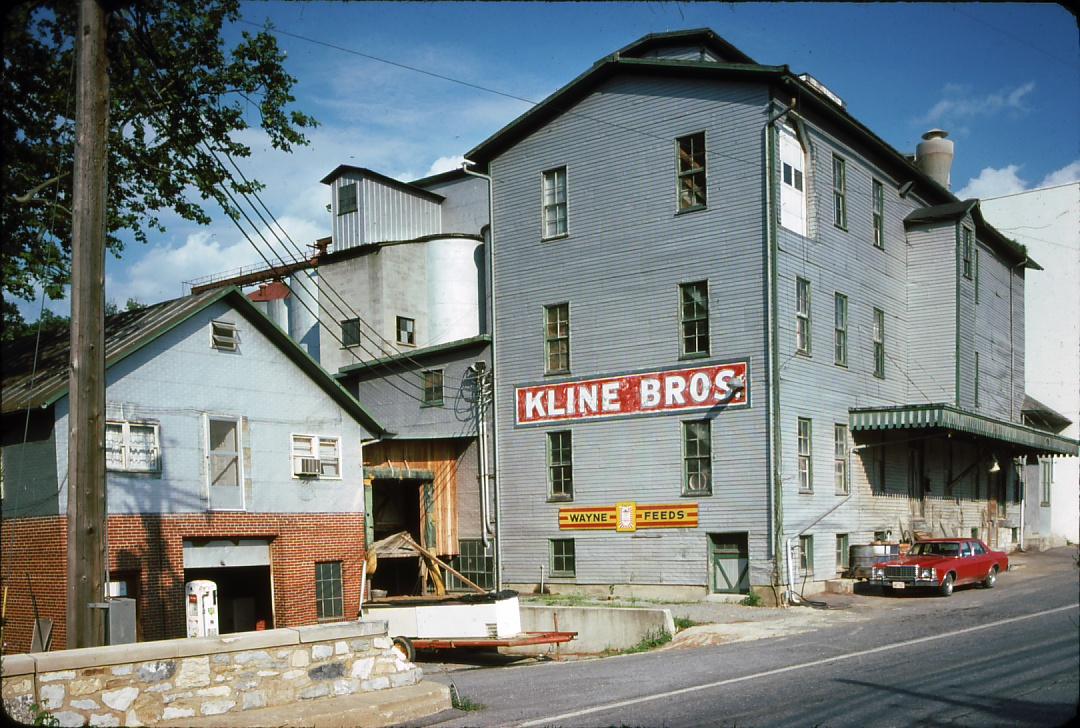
241 570
396 508
244 602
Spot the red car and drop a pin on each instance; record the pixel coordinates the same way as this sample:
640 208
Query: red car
941 564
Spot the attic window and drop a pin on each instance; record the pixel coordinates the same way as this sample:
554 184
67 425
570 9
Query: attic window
346 200
224 336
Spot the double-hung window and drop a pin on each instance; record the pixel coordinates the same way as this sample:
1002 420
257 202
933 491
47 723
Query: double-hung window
806 466
554 205
1046 480
697 457
806 554
557 338
879 343
802 316
406 331
132 447
840 330
839 174
691 158
968 252
841 552
563 559
328 592
433 386
840 458
879 214
560 465
316 457
694 317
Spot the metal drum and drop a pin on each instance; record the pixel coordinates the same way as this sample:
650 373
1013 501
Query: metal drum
862 557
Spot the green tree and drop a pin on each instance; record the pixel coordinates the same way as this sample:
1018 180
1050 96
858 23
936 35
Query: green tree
175 92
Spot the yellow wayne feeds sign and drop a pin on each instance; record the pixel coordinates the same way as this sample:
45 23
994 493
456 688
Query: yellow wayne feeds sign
628 516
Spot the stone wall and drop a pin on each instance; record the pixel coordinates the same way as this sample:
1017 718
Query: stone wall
174 680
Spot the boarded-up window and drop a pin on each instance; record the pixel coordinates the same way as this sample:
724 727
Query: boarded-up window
350 332
793 182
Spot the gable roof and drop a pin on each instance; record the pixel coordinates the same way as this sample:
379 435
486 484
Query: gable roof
984 230
622 62
26 385
364 367
383 179
695 36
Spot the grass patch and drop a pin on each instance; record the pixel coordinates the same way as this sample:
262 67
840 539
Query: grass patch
682 623
652 639
463 702
752 600
561 600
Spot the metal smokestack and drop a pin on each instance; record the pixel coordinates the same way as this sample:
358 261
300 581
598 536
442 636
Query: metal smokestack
934 156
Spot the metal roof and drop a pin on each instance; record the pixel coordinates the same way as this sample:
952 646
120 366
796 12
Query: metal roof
364 366
1043 416
948 417
27 385
989 234
382 178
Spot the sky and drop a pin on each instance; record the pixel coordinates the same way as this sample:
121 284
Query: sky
1003 79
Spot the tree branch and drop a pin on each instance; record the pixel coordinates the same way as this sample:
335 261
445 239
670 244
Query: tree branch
29 196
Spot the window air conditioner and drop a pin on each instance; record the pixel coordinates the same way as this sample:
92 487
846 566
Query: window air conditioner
308 466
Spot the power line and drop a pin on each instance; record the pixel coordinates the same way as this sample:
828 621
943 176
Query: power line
714 150
212 155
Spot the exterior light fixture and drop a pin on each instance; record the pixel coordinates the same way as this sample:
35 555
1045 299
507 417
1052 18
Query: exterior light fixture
995 467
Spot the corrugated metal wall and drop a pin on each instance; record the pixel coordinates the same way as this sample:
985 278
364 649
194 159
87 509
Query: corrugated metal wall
383 213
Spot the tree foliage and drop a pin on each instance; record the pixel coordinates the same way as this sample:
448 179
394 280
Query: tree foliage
176 92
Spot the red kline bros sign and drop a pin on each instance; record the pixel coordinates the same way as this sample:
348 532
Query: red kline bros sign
675 390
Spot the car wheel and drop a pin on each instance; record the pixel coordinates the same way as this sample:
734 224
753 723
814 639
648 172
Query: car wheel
404 647
991 578
946 586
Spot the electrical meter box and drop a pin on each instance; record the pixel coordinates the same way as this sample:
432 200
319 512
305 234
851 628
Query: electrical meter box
202 608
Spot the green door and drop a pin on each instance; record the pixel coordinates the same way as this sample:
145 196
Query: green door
729 561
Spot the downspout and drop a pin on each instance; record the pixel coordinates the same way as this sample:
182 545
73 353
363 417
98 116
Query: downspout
494 373
782 560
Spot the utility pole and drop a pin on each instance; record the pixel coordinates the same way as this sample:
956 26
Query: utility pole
86 384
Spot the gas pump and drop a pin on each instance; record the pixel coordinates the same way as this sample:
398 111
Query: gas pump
202 608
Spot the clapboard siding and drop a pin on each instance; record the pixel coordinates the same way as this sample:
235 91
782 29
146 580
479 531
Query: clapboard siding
619 268
1001 361
931 303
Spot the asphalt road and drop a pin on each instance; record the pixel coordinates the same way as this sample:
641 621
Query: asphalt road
1006 656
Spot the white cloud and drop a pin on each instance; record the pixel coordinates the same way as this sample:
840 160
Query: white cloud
160 274
445 164
958 102
992 182
1069 173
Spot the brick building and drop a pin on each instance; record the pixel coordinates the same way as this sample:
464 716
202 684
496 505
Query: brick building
230 455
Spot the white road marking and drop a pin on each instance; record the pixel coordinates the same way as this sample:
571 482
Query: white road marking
813 663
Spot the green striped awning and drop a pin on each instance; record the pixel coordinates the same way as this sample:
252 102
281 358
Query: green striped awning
947 417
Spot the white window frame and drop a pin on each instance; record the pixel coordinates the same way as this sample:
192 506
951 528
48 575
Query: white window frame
691 171
879 342
315 443
840 329
223 341
555 205
877 200
125 445
805 454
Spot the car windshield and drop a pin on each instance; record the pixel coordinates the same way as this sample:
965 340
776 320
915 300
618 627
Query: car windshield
935 549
